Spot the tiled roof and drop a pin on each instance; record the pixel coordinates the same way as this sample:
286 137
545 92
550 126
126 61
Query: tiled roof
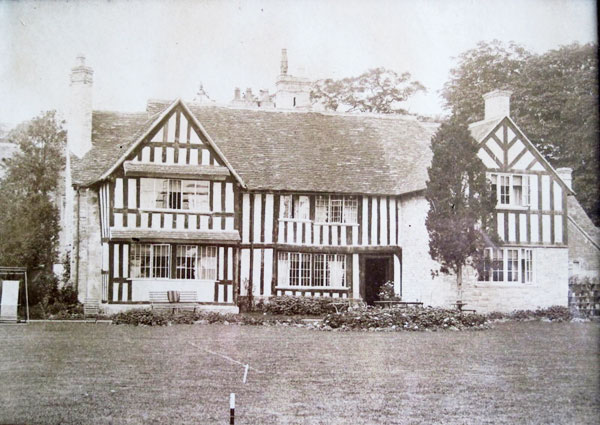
480 129
580 217
294 151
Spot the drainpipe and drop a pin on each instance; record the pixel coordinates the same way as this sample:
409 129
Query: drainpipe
77 200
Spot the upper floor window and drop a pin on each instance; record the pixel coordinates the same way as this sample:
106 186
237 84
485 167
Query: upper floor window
174 194
336 209
511 189
295 207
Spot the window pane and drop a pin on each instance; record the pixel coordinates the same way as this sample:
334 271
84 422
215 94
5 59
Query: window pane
336 205
350 209
208 263
512 265
321 209
195 195
147 198
161 261
286 206
186 261
283 269
303 212
497 265
319 270
140 261
505 190
337 270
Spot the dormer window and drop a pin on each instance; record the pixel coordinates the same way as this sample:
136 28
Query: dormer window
512 190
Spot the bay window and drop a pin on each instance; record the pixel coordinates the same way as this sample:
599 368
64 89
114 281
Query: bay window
314 270
508 265
174 194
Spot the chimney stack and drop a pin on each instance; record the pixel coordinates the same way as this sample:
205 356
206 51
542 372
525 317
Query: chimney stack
497 104
284 62
565 173
79 121
236 94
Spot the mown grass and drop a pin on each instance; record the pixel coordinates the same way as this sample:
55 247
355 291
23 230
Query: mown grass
533 373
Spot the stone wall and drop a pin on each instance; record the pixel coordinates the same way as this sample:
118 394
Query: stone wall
584 257
550 270
86 266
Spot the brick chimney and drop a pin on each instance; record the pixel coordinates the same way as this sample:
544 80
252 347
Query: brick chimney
79 118
284 62
497 104
565 173
236 94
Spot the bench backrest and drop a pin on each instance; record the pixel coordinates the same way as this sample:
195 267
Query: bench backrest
162 297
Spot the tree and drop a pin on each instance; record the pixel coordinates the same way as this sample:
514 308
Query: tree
29 217
461 218
554 101
377 90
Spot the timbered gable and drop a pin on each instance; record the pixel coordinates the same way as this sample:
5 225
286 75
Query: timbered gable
531 208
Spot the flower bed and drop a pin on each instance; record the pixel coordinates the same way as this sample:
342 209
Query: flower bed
410 319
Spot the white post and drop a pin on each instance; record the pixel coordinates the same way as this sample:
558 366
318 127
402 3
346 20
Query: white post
232 409
246 372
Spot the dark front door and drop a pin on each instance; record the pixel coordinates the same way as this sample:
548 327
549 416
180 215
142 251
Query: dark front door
377 271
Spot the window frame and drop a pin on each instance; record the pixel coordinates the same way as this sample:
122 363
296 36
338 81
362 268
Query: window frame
508 258
300 270
181 197
336 209
499 181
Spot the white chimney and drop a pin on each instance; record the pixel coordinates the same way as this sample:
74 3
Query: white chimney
565 173
79 119
497 104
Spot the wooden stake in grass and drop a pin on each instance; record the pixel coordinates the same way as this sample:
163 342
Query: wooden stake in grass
231 409
246 372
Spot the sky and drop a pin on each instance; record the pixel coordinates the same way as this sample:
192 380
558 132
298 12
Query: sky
165 49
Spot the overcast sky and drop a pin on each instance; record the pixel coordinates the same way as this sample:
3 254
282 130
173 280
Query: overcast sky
142 50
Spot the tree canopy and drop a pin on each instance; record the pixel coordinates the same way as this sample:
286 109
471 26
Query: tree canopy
554 101
461 218
378 90
29 217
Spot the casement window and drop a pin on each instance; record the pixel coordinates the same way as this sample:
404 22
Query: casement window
196 262
150 261
511 189
153 261
336 209
315 270
507 265
295 207
174 194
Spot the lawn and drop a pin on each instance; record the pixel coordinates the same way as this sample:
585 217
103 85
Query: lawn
71 373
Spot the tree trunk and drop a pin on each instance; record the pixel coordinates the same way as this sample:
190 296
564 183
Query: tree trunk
459 283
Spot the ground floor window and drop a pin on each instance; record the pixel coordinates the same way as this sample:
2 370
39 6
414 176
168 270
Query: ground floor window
191 261
319 270
508 265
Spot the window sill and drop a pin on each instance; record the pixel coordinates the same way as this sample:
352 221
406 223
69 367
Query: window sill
167 279
504 284
174 211
311 288
295 220
512 207
321 223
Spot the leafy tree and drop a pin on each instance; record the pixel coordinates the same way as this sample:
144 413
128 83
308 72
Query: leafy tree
377 90
461 218
29 217
554 101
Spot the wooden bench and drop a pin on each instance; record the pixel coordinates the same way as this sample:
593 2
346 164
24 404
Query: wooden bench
187 301
403 304
91 308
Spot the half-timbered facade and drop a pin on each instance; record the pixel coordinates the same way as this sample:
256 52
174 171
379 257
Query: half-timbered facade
222 203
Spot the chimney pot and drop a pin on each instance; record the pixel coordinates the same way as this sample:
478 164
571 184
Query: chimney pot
497 104
284 62
236 93
79 122
566 174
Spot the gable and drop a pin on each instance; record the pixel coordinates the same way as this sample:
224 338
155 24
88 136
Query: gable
174 144
506 149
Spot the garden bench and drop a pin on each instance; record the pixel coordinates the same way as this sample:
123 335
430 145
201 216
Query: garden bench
173 300
389 304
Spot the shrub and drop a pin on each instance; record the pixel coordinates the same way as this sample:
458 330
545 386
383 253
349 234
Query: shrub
397 318
386 292
140 317
554 313
293 306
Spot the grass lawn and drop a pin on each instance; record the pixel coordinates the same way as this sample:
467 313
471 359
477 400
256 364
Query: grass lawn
71 373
